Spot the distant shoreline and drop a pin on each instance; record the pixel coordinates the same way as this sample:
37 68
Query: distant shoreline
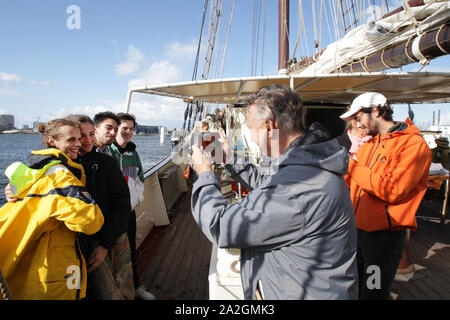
21 132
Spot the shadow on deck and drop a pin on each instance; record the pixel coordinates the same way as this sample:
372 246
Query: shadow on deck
429 252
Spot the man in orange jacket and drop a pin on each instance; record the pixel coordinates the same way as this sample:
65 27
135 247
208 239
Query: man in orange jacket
387 181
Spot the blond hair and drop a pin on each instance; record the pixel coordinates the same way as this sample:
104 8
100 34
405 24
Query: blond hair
52 129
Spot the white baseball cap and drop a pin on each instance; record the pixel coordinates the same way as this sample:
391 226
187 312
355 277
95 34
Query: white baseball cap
365 100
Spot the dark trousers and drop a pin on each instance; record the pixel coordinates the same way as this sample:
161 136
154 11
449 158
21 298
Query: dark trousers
378 257
132 239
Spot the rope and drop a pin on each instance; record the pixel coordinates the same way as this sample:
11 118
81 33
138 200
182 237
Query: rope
299 26
437 40
383 61
406 49
264 38
222 62
257 36
195 71
253 38
215 18
205 7
320 24
314 20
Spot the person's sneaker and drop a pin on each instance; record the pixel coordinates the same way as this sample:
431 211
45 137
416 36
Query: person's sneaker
142 294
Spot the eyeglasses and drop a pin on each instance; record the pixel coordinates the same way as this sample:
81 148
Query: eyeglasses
261 91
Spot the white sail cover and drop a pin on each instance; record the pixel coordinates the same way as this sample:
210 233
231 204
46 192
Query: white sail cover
373 37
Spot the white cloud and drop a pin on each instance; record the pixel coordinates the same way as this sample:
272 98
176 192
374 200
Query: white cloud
9 92
134 60
156 110
87 110
149 110
127 68
182 51
10 77
43 83
158 72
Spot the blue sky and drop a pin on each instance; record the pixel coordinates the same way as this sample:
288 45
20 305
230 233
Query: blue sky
48 70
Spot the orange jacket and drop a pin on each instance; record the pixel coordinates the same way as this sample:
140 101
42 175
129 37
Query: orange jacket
389 179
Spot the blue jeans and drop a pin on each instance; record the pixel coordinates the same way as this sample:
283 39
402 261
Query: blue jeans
378 256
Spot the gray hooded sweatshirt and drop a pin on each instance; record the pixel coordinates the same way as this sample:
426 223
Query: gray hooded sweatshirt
295 229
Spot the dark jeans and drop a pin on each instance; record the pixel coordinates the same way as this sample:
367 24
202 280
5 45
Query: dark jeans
132 239
378 256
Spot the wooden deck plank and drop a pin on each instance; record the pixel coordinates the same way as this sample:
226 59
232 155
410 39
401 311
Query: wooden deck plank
185 270
202 287
196 285
426 289
180 260
188 270
153 266
402 292
176 270
170 258
430 253
437 292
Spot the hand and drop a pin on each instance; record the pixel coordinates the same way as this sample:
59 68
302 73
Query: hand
96 259
8 194
200 160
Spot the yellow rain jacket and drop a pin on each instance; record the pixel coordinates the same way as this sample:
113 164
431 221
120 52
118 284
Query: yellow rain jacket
39 254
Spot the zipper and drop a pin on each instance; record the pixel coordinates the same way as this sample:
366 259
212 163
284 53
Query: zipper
370 159
77 249
388 217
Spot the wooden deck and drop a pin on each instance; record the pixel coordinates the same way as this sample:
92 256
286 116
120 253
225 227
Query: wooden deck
430 254
173 262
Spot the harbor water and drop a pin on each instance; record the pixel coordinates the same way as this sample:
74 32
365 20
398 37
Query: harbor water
16 147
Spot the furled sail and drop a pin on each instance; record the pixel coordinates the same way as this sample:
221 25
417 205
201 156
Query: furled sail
414 35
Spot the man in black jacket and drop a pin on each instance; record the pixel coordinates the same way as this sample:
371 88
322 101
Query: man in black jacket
109 189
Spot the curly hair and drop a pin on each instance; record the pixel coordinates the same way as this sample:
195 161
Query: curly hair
385 111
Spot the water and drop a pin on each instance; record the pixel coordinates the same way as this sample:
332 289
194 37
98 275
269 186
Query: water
16 147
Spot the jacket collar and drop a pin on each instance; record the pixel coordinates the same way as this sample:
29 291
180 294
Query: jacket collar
41 157
130 147
316 133
400 128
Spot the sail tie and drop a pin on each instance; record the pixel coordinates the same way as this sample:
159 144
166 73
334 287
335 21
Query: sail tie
416 51
437 40
406 49
383 61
